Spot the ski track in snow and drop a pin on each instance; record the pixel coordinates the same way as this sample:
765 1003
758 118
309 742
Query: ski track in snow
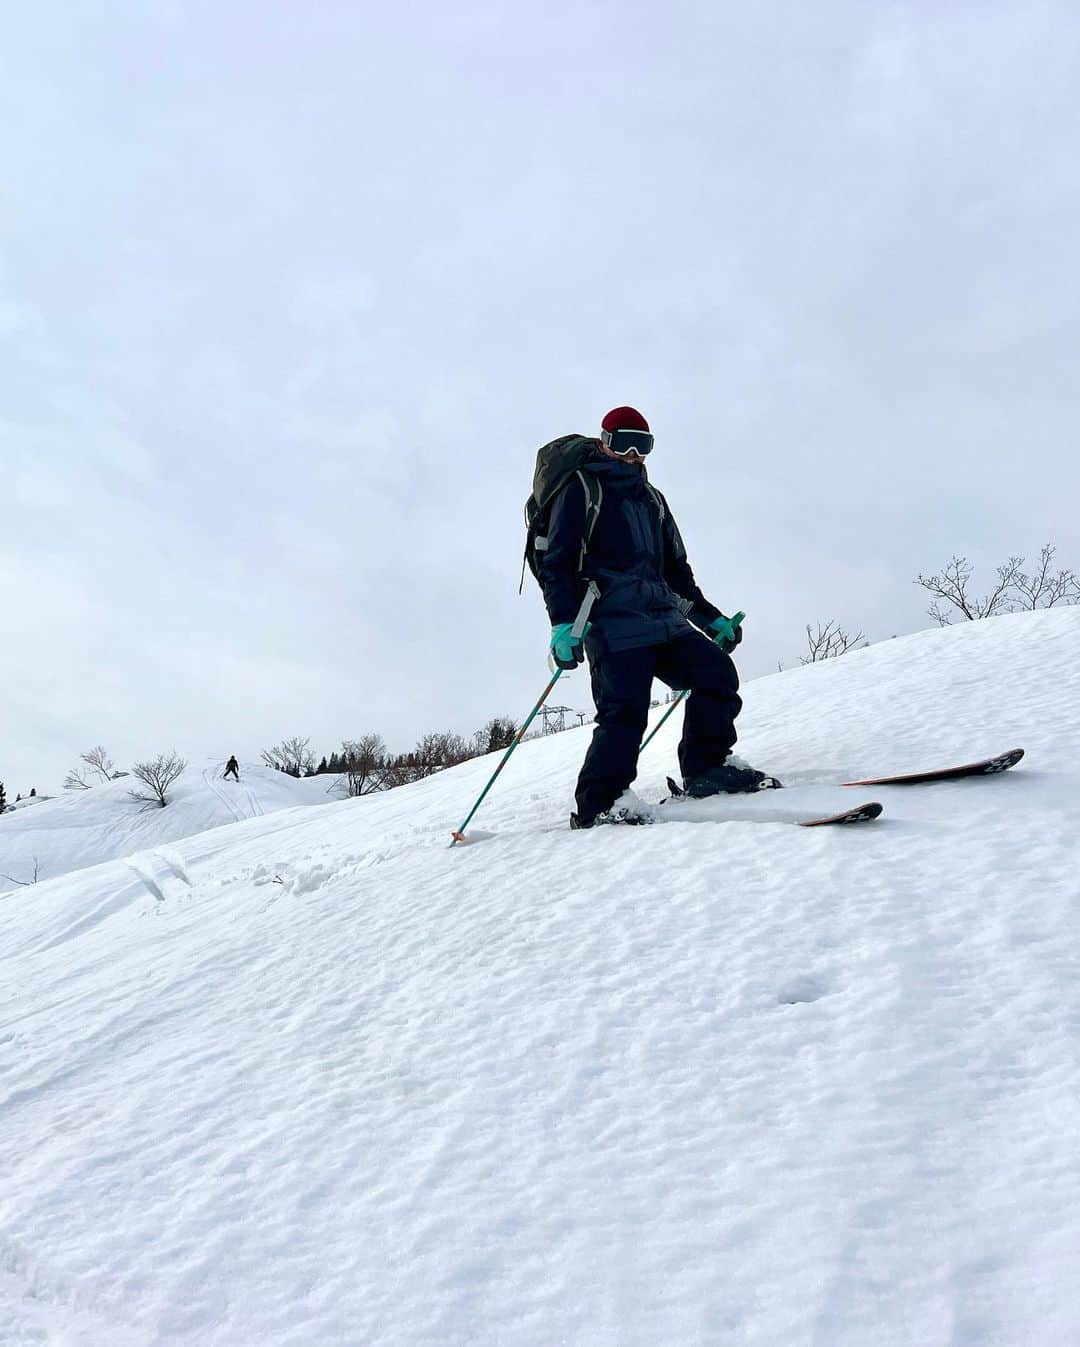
157 869
336 1083
209 775
74 831
254 807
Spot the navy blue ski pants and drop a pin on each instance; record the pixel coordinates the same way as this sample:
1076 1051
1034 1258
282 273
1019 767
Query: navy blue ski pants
622 688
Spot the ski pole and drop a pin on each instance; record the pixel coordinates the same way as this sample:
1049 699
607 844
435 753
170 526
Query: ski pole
659 723
737 620
578 630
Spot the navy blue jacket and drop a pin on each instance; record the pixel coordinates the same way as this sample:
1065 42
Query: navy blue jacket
648 594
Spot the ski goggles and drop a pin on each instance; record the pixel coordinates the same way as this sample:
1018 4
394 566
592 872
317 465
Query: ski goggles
623 442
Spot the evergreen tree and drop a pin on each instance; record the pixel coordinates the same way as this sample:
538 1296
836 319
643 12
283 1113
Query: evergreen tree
3 798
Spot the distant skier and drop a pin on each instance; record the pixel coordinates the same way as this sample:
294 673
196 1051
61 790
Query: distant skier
640 626
232 768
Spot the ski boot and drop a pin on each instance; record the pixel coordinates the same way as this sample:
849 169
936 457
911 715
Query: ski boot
627 810
734 777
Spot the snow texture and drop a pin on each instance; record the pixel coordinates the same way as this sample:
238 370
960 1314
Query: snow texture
81 828
315 1078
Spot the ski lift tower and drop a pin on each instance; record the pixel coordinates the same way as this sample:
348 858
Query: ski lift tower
554 718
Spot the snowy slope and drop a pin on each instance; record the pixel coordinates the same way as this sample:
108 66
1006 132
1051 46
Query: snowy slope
81 828
324 1081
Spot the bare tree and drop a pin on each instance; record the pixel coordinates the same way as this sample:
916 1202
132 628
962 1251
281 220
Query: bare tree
432 753
1014 589
828 642
96 767
365 763
99 763
951 587
399 770
290 756
439 750
1045 587
157 775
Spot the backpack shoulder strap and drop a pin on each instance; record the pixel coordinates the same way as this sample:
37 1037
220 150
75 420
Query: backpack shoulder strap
594 498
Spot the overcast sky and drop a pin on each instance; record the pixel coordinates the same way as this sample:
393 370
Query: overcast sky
291 293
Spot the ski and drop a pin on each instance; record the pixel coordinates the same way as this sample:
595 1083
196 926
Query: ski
861 813
984 767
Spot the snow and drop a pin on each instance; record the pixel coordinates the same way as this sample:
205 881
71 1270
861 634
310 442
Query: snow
81 828
319 1079
26 802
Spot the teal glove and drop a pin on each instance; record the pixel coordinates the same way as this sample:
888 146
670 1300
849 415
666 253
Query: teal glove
566 649
727 631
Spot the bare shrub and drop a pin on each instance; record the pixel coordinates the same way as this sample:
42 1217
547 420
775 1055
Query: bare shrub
951 587
829 641
1014 590
399 770
290 756
443 749
157 775
1045 587
96 767
432 754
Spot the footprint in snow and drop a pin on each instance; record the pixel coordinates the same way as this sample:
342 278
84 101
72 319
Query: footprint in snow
808 987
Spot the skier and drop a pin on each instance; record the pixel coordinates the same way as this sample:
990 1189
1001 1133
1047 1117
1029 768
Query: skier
232 767
640 628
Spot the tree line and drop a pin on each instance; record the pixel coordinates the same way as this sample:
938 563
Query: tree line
367 765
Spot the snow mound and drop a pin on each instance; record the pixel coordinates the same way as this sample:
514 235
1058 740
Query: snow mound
80 828
316 1078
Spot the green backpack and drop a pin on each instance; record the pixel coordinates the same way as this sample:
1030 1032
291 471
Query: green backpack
556 463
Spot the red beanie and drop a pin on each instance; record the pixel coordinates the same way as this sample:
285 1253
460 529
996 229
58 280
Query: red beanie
624 418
